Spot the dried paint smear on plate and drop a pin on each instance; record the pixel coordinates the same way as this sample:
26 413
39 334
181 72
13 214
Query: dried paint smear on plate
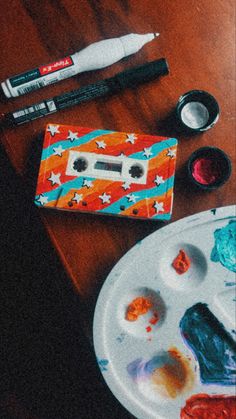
167 374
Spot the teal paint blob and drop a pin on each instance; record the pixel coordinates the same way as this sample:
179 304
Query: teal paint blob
212 345
224 250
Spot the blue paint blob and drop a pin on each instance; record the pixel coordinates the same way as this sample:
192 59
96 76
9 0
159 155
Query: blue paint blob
212 345
224 250
121 337
103 363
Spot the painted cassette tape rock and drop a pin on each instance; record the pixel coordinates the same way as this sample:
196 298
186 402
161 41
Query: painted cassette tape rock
108 172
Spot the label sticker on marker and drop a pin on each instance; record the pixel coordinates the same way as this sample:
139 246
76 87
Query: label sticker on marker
57 65
38 73
24 77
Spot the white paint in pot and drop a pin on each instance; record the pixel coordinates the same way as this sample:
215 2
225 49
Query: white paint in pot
195 115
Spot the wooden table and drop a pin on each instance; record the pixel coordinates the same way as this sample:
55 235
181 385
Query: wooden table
197 39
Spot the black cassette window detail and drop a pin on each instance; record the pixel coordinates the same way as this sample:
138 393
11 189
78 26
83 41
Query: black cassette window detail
108 166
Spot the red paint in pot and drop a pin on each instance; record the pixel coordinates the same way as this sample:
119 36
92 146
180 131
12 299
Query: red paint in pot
206 170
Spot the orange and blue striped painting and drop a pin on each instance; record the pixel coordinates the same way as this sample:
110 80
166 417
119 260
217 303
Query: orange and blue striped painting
152 200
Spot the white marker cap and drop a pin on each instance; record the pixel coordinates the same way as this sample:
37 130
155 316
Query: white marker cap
134 42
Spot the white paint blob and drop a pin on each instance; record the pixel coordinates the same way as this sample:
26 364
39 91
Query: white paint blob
195 115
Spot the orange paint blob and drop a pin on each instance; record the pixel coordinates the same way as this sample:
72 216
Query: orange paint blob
182 262
175 377
137 307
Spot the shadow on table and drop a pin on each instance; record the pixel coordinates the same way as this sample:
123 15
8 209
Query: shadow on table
171 127
48 368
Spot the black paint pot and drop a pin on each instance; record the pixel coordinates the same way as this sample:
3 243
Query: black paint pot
197 111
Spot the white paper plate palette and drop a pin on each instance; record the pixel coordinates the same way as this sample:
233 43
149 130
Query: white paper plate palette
179 357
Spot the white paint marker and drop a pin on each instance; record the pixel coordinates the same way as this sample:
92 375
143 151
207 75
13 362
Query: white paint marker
95 56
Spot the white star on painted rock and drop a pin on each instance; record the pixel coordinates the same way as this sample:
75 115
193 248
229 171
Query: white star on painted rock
131 138
55 178
132 198
158 206
147 152
42 199
126 185
53 129
171 153
58 151
77 197
88 183
159 180
105 198
101 144
72 136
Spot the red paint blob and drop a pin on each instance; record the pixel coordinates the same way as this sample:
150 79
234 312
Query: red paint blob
154 319
148 329
206 170
205 406
181 263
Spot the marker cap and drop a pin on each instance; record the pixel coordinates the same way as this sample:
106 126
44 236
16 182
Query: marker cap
144 73
134 42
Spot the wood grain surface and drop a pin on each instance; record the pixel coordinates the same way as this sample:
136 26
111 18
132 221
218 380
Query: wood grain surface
196 37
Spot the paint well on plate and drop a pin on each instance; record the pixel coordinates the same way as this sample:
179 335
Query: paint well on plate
194 275
212 345
153 314
168 374
224 250
205 406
